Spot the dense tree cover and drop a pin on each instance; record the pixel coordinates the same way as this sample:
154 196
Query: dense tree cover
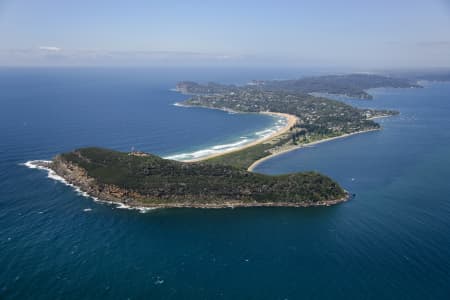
352 85
162 180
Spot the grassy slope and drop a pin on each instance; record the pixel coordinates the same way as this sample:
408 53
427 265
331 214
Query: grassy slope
246 157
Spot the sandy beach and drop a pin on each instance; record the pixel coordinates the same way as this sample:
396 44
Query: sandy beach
291 120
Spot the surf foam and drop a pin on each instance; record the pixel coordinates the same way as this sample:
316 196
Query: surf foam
36 164
280 122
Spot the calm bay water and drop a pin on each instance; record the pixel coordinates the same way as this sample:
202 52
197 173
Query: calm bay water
392 241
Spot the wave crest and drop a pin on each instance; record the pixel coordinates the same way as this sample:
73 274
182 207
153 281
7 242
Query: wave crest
280 122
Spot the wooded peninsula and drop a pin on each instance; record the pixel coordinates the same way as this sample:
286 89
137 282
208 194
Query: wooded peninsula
227 180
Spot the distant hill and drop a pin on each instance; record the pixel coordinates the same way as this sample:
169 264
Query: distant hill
352 85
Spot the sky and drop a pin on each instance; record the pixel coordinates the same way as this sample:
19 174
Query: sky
348 33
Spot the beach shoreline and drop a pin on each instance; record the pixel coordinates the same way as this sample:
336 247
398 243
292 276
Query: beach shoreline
291 120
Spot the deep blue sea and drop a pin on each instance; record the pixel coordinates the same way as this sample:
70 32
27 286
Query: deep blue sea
392 241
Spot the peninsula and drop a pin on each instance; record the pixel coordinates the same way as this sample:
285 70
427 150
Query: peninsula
316 118
351 85
143 180
139 179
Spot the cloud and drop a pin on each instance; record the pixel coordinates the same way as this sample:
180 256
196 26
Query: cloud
423 56
50 48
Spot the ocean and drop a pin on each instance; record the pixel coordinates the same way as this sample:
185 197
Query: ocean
392 241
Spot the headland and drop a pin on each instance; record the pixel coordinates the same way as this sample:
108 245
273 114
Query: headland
226 179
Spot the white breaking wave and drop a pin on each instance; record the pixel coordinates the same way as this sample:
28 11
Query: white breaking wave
34 164
243 140
209 151
227 146
265 132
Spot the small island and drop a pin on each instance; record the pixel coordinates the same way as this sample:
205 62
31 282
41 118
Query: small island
139 179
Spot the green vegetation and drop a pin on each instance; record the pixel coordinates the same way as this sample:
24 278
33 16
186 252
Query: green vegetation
352 85
243 158
162 181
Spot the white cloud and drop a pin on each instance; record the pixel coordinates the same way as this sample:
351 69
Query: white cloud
50 48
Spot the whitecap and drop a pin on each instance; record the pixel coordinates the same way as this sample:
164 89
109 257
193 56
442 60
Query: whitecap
264 132
280 122
231 145
209 151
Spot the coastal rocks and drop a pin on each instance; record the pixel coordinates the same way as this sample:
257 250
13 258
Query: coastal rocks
78 177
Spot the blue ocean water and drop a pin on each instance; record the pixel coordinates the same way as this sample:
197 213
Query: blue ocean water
391 242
